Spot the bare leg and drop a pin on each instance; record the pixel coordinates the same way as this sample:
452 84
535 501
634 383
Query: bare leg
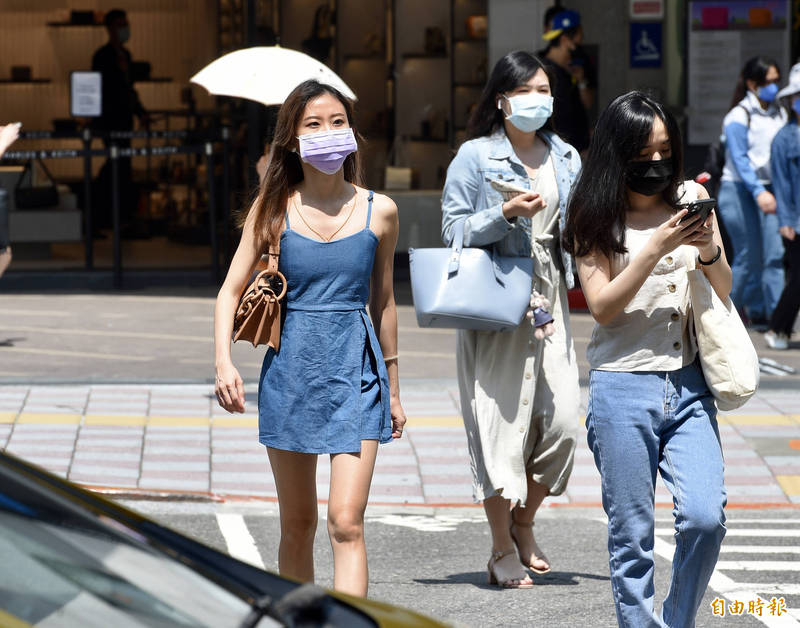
522 528
508 568
351 476
5 259
296 480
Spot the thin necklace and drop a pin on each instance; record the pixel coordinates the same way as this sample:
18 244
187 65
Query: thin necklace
352 203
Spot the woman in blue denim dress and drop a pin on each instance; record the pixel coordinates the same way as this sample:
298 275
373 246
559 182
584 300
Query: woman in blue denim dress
649 408
332 386
519 388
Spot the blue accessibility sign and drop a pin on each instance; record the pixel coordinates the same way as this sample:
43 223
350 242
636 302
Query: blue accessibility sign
646 51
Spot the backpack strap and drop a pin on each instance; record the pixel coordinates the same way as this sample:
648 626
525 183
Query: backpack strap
747 113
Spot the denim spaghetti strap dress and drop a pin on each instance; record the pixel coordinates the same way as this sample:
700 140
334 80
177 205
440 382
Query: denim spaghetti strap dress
327 388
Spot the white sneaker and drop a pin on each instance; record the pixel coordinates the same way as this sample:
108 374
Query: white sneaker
778 341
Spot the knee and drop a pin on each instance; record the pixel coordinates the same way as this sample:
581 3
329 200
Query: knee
346 526
705 522
299 528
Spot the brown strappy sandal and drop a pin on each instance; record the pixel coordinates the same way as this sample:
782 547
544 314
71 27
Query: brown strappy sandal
511 583
542 557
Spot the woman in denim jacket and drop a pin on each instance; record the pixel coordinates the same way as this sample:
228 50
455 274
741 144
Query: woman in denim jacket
519 389
785 160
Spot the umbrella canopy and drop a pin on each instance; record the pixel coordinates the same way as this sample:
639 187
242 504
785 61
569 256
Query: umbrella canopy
266 74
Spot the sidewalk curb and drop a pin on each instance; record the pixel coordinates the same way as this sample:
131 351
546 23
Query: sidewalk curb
220 498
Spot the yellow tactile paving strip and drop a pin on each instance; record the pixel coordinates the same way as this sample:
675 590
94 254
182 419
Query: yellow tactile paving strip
436 421
758 419
48 418
789 483
108 419
125 420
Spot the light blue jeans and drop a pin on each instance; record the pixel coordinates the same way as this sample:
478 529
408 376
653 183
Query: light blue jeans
757 251
640 423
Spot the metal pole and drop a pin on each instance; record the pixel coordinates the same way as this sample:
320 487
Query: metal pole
115 215
212 211
148 172
88 222
226 195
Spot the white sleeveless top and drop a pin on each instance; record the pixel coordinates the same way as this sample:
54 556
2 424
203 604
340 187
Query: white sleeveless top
653 332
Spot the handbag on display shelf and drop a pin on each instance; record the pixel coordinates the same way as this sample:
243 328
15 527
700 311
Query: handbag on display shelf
258 315
397 176
35 196
469 288
727 355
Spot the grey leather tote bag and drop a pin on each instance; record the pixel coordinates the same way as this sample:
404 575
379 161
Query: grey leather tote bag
470 288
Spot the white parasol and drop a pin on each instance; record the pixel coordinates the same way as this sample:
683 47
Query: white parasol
266 74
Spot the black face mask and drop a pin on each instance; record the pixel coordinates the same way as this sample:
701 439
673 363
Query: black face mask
649 177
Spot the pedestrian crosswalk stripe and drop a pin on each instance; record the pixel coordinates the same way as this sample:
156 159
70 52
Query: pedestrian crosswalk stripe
740 520
769 588
773 532
724 586
760 549
759 565
237 537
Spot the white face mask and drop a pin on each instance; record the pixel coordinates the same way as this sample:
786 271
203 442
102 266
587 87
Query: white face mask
529 111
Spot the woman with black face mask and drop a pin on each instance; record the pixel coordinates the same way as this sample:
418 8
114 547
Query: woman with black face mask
649 408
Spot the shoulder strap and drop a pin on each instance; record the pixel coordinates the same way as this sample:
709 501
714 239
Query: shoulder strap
369 207
273 256
747 113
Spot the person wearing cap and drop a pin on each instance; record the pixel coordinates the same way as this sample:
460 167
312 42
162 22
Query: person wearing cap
582 66
785 163
570 118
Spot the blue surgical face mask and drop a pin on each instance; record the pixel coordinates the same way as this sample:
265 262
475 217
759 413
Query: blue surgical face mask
529 111
796 106
767 93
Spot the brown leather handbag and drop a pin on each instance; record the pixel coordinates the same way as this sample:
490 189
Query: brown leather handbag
258 316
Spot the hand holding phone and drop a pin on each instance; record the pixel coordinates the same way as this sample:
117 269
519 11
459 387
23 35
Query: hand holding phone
518 201
507 189
701 207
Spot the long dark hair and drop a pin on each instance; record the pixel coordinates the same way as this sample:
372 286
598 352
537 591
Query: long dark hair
513 70
599 201
284 171
755 69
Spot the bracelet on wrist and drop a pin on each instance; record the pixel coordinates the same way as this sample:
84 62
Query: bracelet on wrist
391 357
713 259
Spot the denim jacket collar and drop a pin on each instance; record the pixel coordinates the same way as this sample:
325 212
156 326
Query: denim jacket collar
501 148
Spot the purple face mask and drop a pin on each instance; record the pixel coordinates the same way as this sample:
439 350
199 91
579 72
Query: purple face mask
327 150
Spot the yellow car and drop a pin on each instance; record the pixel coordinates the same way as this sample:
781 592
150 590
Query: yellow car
69 557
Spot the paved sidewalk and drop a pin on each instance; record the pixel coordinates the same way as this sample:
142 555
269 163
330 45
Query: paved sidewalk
174 439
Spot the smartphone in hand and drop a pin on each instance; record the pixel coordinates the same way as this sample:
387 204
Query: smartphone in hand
507 189
700 207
